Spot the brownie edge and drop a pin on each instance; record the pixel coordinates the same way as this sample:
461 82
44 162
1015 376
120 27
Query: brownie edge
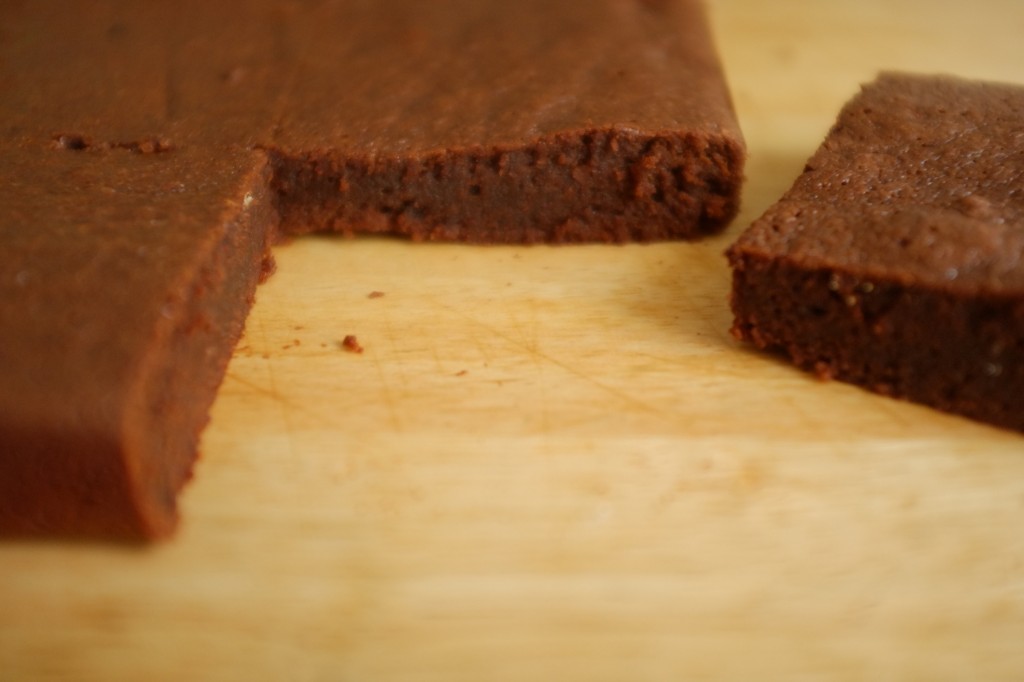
893 262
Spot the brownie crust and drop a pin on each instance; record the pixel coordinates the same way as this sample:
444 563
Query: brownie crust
894 260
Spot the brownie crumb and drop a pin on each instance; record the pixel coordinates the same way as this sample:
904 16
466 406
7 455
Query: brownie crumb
351 344
71 141
78 143
151 145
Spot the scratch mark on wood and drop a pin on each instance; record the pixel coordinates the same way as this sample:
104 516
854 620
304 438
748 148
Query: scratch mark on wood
388 394
533 349
320 418
286 415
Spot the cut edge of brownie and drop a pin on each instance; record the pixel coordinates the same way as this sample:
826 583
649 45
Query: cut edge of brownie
599 185
172 410
960 354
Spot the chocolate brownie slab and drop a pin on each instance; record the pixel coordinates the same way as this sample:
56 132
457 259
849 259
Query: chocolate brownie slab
507 122
894 261
150 151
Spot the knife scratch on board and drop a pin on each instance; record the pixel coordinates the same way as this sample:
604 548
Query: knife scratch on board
533 349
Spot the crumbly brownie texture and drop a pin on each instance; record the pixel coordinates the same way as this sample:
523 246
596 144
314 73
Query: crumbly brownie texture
150 153
894 261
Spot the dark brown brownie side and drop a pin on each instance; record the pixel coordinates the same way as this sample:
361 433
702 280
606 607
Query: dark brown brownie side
894 260
594 186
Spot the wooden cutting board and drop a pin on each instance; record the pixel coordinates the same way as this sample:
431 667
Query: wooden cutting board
555 464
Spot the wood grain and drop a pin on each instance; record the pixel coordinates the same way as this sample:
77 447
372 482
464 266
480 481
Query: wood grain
554 463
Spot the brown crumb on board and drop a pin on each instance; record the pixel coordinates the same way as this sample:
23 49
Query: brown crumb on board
375 294
351 344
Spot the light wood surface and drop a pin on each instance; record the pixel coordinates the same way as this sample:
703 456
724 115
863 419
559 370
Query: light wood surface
555 464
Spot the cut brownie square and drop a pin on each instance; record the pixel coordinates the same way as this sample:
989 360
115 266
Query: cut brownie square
894 261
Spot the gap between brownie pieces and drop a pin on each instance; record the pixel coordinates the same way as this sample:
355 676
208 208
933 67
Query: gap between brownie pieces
600 185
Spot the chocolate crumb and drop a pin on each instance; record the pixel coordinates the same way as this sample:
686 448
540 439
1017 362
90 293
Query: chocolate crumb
351 344
71 141
150 145
76 142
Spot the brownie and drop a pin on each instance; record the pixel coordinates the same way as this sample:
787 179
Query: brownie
151 152
506 122
894 261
